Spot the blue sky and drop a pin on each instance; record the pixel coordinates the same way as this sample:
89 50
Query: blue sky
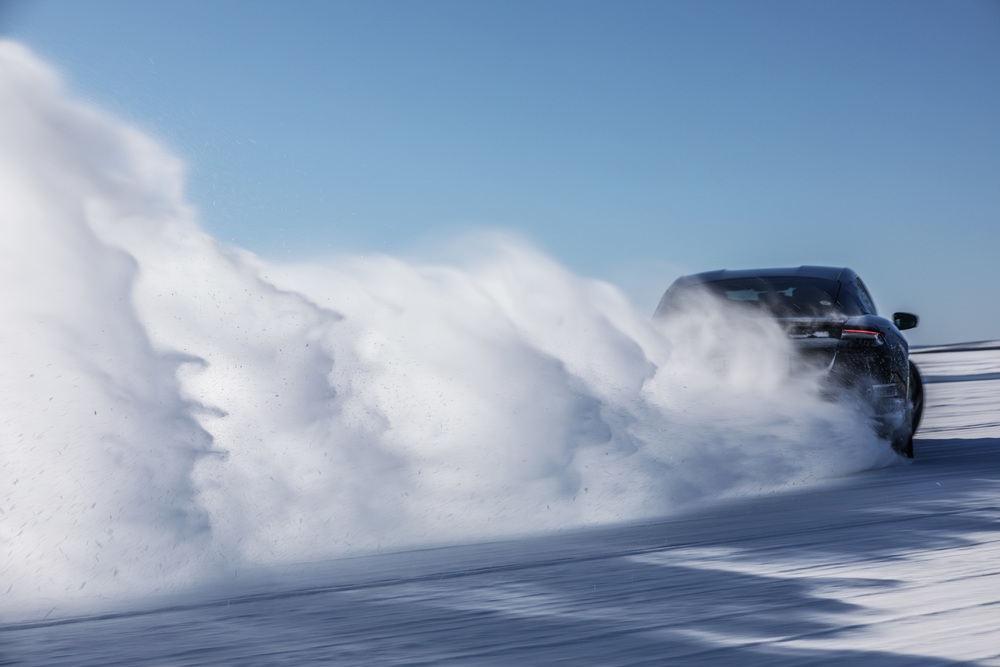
631 140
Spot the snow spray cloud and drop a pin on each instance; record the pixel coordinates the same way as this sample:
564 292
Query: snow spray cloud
173 408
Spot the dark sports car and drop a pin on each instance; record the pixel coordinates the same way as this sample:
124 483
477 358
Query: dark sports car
831 318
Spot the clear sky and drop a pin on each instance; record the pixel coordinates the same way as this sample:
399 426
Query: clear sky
631 140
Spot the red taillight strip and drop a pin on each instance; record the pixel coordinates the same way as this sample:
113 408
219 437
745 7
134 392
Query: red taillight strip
863 332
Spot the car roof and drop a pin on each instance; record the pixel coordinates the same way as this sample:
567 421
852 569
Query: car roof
840 274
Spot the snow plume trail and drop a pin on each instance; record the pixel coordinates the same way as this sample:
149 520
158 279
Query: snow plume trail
172 408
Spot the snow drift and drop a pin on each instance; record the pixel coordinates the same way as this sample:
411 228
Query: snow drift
174 408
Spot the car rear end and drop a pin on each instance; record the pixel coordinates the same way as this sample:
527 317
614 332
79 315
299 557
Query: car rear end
834 331
858 361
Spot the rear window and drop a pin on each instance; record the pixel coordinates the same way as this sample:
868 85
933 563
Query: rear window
792 296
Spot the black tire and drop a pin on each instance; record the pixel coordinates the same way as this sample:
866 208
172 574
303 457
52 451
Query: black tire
904 446
916 397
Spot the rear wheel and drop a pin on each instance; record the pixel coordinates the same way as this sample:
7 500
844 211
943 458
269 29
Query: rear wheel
903 442
916 397
904 446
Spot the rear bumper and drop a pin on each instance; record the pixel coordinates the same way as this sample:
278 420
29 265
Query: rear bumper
865 379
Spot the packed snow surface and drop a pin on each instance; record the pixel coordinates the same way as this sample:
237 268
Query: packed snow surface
896 566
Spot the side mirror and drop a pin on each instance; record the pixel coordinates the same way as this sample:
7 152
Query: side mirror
904 321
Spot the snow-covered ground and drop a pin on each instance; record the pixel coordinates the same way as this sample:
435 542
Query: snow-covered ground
896 566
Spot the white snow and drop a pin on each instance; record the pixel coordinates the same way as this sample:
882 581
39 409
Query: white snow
196 442
898 566
178 410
